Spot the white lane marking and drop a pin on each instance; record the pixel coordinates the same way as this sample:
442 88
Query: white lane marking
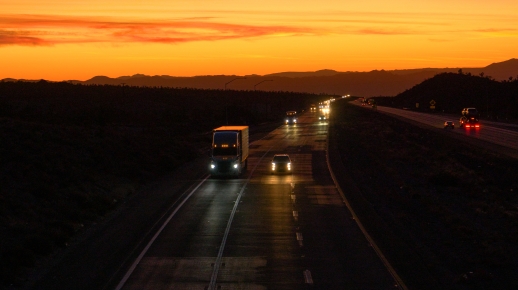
139 258
293 198
217 264
307 277
300 239
295 214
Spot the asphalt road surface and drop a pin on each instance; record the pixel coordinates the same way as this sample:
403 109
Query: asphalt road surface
264 231
261 231
496 136
489 131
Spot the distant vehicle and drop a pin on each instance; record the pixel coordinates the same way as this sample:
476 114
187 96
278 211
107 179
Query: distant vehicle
471 122
469 118
322 117
229 152
449 124
291 117
470 112
281 163
313 108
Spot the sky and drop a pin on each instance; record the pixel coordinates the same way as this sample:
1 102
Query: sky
79 39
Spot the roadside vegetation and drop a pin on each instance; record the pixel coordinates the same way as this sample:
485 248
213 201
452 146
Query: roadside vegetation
454 205
70 154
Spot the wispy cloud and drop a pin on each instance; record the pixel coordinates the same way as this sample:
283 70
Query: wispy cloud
48 30
9 38
381 31
51 30
513 32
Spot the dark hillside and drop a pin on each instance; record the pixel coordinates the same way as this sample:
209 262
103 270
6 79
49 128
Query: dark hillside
454 91
69 154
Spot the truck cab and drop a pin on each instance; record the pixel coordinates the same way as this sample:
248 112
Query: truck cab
291 117
229 152
469 118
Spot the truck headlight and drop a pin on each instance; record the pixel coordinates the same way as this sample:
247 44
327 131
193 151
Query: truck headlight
289 166
273 166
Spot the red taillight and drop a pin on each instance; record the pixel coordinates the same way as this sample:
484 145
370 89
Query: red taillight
477 126
467 126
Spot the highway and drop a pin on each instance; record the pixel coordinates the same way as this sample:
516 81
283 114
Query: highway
505 135
263 231
260 231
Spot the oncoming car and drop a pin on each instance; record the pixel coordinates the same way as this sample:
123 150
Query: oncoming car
281 163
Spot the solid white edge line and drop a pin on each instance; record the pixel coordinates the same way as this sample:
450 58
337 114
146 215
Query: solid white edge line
139 258
307 277
382 257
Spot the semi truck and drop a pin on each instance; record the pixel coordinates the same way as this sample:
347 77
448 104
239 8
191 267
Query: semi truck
291 117
469 118
229 152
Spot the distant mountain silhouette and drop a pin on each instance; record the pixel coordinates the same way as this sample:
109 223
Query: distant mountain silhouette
319 73
500 70
363 84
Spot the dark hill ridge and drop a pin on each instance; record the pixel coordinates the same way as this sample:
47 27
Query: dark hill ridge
372 83
501 70
363 84
318 73
454 91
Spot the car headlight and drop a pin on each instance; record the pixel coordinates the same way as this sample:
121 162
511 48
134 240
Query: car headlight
212 166
235 165
289 166
273 166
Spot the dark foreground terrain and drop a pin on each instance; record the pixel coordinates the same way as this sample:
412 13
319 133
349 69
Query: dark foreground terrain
443 212
72 154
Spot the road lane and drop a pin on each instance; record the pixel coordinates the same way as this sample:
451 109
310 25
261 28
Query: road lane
288 231
488 132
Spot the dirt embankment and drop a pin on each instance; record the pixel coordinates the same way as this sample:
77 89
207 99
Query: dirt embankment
444 212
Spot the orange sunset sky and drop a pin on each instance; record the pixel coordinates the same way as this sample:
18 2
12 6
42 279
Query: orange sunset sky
78 39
